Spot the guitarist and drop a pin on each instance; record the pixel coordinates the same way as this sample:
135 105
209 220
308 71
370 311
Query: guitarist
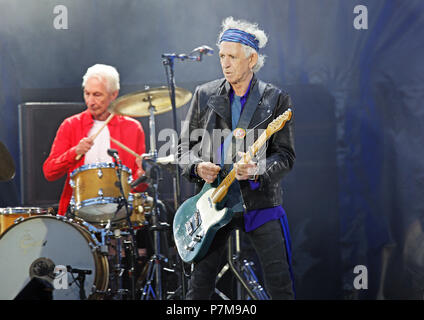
239 103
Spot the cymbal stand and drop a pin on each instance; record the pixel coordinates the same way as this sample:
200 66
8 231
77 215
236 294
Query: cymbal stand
154 271
153 171
152 126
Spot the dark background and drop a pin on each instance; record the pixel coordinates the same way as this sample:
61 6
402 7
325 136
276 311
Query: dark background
355 194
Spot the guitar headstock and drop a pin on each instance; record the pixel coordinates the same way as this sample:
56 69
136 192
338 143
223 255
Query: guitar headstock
278 123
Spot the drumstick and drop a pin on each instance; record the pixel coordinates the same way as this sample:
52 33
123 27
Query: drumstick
126 148
94 136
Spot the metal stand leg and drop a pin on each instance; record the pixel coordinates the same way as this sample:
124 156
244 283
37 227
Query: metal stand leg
154 274
155 263
243 272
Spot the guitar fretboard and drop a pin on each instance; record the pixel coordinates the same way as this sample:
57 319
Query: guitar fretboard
222 189
273 127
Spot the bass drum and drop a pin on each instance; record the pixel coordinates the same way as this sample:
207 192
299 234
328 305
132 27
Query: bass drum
38 246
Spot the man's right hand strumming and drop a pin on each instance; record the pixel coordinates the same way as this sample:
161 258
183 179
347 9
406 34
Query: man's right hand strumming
207 171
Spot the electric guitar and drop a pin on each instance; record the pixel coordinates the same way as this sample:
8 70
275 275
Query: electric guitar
199 218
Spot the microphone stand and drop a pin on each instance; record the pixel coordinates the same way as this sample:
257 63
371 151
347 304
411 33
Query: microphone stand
80 279
168 62
123 202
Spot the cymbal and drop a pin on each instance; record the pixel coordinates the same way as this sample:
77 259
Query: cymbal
137 104
166 160
7 166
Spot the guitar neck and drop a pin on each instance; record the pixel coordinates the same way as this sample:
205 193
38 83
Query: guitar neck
223 187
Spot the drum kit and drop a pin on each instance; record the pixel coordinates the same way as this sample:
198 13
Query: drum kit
81 255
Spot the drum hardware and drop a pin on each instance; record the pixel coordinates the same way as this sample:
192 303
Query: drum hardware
154 266
118 270
104 232
154 269
118 164
18 220
150 102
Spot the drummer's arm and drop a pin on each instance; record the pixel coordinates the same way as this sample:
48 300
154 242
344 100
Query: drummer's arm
62 155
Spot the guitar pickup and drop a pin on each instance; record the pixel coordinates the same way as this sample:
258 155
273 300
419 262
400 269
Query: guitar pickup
189 228
193 223
197 219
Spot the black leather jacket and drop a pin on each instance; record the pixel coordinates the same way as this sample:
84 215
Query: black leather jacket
210 109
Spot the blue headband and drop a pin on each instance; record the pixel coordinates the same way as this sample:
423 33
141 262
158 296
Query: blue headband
235 35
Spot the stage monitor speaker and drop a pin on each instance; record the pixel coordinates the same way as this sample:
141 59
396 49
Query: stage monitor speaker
38 123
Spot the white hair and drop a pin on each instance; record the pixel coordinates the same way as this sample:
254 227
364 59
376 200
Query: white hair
103 73
252 28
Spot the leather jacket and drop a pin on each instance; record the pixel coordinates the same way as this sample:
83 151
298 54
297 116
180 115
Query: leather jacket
210 109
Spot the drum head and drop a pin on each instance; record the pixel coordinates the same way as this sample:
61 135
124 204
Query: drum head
50 240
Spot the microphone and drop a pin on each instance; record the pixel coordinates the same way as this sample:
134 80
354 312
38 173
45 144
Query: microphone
137 181
79 271
204 50
113 153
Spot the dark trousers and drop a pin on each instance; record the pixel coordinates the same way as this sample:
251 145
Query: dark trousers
268 242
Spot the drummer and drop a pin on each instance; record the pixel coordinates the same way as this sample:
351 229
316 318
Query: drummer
74 145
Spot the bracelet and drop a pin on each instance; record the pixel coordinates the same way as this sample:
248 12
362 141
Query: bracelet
254 177
195 169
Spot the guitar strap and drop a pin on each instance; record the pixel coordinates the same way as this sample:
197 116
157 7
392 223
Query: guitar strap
249 109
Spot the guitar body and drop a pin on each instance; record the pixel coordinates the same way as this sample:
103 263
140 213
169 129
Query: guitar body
195 224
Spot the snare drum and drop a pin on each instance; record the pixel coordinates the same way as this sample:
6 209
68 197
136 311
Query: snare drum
10 214
96 192
56 243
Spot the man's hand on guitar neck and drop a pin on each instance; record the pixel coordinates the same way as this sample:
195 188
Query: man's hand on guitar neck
245 171
207 171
